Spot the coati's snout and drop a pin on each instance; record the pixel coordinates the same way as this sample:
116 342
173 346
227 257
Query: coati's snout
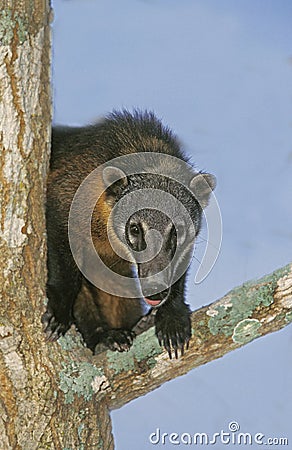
152 238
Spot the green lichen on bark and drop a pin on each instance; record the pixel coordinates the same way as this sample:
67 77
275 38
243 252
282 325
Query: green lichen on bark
288 317
241 303
70 341
8 23
246 330
144 348
77 378
146 345
100 444
120 362
6 27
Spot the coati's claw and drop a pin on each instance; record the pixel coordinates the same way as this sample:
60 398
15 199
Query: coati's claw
52 328
173 330
116 340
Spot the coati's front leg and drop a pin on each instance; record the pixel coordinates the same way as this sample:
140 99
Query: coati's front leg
94 328
173 322
105 321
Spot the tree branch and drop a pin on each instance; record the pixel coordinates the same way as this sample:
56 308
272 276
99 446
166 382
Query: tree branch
245 313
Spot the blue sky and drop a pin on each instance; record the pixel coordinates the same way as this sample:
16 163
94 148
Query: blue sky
219 74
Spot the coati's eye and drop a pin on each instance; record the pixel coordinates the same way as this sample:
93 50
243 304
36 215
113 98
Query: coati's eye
134 236
134 229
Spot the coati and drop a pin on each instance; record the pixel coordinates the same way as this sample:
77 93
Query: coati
107 315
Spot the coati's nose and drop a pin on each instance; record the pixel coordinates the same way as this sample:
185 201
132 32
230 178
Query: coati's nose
157 298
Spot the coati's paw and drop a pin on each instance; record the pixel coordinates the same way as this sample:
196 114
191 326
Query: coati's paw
52 327
173 328
116 340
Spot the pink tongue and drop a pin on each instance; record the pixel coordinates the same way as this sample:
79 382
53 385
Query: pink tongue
152 302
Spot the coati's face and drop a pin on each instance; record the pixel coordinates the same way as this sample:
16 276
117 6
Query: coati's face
157 220
158 246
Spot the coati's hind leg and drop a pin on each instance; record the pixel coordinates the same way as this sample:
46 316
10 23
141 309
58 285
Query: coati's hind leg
64 282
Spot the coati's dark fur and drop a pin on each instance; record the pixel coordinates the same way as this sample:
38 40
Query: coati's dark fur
101 317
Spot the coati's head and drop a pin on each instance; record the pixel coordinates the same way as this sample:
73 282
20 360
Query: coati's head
156 219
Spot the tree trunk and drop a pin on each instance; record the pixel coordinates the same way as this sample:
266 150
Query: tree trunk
33 413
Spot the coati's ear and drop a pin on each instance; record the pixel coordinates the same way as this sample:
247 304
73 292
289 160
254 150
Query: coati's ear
114 179
202 184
